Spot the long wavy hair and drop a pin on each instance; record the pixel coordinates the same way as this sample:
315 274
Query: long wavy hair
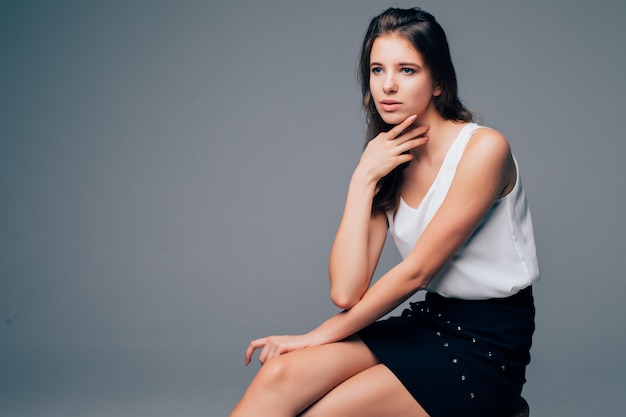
428 38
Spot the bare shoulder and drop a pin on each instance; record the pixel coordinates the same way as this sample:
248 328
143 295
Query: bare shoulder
488 156
487 143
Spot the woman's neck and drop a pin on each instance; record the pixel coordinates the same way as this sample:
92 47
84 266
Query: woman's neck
441 134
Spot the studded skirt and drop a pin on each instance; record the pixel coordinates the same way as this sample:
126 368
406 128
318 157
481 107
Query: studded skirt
459 357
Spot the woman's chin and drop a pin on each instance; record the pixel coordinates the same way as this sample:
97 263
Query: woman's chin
393 118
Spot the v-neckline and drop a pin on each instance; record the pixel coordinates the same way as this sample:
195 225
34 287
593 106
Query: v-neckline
435 180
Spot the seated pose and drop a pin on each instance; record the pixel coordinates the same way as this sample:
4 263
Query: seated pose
449 193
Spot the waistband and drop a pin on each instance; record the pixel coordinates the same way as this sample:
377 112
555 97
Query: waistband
523 297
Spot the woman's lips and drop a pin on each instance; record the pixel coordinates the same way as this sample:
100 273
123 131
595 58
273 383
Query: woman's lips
389 105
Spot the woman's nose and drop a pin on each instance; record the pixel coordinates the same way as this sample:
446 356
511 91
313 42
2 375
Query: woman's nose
390 86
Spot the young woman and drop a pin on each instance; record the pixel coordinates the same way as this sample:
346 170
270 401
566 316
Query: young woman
449 193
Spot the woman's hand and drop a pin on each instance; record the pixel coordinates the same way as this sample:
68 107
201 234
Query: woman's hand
273 346
390 149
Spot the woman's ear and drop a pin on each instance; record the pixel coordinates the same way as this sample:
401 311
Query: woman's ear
437 91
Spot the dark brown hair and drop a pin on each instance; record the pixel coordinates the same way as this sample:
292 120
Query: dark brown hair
428 38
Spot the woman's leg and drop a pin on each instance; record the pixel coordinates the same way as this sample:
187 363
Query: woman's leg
374 392
288 384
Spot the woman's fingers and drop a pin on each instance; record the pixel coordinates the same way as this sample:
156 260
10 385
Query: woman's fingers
412 144
254 345
273 350
403 133
391 149
413 133
270 346
399 128
263 354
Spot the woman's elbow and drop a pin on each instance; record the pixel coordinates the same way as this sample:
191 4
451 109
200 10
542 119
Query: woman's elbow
343 300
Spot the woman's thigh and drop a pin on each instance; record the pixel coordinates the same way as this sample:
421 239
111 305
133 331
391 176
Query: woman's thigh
288 384
374 392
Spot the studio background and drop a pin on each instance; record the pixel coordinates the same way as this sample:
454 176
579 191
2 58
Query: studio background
172 174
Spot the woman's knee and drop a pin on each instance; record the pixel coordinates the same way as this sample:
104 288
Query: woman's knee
277 371
269 392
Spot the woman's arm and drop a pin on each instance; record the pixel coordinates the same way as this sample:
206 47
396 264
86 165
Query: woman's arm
357 247
361 234
485 171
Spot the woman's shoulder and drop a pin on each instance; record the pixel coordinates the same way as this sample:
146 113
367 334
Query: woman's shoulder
486 142
488 155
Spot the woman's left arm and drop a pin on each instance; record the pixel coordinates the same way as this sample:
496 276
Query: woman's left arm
486 171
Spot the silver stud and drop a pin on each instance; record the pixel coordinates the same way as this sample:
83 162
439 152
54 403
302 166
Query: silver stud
458 328
490 354
463 377
455 360
472 395
438 333
503 367
473 340
445 344
448 321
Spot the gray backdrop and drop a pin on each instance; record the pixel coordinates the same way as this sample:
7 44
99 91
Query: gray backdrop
172 174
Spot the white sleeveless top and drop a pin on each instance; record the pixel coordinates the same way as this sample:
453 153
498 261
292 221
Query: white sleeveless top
498 260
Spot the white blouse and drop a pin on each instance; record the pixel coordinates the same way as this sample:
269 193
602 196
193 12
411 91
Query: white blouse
498 260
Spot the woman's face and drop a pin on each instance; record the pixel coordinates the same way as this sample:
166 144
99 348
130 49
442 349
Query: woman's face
400 83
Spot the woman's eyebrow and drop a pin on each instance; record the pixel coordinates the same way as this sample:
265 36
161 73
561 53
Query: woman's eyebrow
409 64
399 64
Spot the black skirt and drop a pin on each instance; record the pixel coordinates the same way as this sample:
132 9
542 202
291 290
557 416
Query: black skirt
459 357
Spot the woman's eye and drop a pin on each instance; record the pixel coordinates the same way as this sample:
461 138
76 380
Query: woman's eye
408 71
377 70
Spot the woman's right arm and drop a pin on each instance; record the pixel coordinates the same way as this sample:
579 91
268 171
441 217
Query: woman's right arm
361 234
358 244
